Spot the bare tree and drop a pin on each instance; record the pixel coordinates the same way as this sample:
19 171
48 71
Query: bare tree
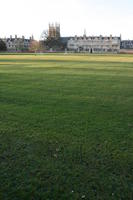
44 36
35 46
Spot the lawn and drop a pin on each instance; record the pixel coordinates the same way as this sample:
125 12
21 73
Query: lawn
66 127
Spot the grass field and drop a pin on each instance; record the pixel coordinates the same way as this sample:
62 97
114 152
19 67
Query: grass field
66 127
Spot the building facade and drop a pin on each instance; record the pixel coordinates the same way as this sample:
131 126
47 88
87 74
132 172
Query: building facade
54 31
127 44
93 44
18 44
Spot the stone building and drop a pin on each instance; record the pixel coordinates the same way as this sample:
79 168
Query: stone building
127 44
54 31
18 44
98 44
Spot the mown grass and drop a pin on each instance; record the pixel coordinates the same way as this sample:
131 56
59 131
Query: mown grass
66 127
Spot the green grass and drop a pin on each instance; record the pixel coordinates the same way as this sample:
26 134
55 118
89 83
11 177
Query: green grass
66 127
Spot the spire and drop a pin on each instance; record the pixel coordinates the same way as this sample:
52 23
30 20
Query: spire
84 32
120 36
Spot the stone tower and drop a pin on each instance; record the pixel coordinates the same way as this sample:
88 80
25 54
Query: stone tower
54 30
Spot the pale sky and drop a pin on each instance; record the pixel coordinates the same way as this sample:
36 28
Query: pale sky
98 17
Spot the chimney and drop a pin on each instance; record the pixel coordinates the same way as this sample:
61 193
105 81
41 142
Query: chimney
32 37
15 36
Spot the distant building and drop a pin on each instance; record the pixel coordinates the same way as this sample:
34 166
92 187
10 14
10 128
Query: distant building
127 44
64 41
18 44
54 31
97 44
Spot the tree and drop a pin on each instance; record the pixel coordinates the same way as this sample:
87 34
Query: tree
2 46
54 43
44 35
35 46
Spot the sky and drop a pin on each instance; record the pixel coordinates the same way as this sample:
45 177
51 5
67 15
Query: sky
97 17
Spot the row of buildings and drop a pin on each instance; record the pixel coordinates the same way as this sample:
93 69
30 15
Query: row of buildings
97 44
90 44
18 44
